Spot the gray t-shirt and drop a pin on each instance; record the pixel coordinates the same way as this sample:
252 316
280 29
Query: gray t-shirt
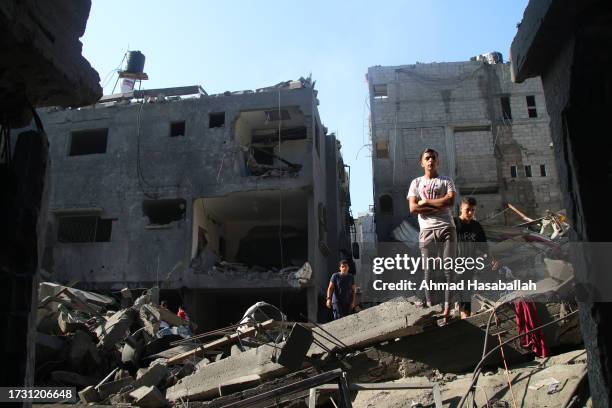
437 187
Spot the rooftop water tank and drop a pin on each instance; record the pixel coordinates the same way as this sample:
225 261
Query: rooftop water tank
134 62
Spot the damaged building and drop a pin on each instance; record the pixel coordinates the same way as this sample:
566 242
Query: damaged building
492 135
220 200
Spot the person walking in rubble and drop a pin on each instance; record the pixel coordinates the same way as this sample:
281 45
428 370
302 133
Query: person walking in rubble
341 291
432 196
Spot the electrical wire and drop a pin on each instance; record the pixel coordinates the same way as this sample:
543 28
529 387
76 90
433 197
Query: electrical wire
143 183
494 215
501 349
478 368
118 69
487 329
395 144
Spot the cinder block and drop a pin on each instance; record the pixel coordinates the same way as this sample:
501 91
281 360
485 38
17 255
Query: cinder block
152 377
148 397
89 394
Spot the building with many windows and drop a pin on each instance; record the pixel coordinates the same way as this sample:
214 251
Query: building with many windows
492 134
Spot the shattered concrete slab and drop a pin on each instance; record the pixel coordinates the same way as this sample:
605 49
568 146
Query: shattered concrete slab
152 377
239 384
52 289
113 387
148 397
492 389
151 316
413 356
388 320
115 329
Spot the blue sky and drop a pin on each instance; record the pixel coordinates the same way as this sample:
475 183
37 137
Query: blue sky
230 46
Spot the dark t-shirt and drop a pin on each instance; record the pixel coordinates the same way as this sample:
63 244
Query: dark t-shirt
471 238
343 288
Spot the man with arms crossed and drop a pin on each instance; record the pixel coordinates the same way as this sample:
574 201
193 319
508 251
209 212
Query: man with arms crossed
432 196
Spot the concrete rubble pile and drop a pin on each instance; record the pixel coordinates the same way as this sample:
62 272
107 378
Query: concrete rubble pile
108 349
547 382
126 355
209 263
392 341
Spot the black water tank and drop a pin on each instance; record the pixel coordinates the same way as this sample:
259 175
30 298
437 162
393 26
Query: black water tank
135 62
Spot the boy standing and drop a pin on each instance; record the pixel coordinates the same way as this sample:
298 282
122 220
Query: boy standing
341 291
431 197
472 242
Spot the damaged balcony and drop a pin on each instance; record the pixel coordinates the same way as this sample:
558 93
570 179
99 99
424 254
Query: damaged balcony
251 239
273 143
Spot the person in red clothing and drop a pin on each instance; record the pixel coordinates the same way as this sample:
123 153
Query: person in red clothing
182 314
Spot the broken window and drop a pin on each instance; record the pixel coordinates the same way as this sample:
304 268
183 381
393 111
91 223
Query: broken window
386 204
527 171
531 106
177 129
542 170
382 149
162 212
84 142
263 140
277 114
380 91
513 172
83 228
505 106
216 120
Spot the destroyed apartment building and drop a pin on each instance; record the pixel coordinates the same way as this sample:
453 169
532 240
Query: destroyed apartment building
220 200
492 135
